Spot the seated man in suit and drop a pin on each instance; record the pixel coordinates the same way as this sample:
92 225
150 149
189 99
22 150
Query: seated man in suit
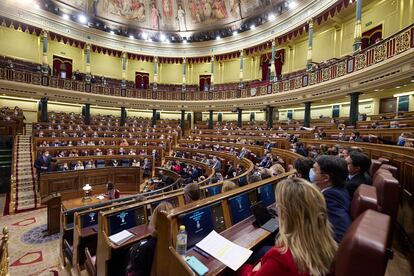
216 164
358 166
329 174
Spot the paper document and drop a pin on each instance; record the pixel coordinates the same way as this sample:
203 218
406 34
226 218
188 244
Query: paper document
121 237
227 252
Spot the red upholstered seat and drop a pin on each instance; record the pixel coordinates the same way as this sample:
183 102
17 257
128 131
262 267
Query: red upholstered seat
363 250
365 197
393 170
375 165
90 263
388 196
384 160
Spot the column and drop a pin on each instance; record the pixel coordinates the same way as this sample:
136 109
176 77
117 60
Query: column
272 62
124 61
354 108
241 69
358 28
239 117
154 87
88 63
212 74
43 110
310 43
87 114
210 120
269 116
307 118
45 63
182 123
123 116
154 117
184 75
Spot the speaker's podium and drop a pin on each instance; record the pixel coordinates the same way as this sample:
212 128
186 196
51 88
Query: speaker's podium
53 203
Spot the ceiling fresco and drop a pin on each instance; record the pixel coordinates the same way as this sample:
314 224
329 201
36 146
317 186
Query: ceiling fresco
172 15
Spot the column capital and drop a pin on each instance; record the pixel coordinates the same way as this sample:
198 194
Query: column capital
45 33
273 42
155 59
212 58
310 23
354 93
241 52
184 60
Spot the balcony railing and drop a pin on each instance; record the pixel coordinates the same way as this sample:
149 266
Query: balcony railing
335 68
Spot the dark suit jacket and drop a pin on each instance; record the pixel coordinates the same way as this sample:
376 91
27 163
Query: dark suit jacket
42 161
353 183
338 204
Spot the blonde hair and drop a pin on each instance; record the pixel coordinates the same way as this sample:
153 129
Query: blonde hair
228 186
163 207
304 228
277 169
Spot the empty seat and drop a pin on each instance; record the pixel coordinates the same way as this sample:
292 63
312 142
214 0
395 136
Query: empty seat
365 197
388 196
393 170
100 163
363 250
90 263
375 165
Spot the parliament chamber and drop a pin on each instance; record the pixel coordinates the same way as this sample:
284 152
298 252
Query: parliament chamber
207 137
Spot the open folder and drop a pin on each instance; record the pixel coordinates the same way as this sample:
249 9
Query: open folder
227 252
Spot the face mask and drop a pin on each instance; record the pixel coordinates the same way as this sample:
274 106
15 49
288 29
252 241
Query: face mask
312 175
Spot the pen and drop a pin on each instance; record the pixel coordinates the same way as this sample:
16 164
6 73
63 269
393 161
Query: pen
201 252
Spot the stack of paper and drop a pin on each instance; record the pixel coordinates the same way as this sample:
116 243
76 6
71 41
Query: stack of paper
227 252
121 237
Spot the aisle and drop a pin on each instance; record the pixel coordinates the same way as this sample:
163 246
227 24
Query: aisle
23 183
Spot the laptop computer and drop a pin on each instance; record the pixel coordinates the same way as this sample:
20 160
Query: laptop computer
264 219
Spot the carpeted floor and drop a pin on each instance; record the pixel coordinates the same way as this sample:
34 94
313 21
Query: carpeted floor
30 252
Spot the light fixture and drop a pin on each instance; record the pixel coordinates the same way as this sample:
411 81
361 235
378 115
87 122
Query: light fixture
162 37
218 37
65 16
82 18
292 4
398 87
252 27
271 17
144 36
185 41
131 37
235 33
87 192
111 32
412 80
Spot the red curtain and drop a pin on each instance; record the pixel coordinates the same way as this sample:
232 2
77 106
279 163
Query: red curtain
371 36
204 82
60 65
279 60
141 80
265 71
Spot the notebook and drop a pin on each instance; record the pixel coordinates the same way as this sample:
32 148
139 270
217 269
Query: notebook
121 237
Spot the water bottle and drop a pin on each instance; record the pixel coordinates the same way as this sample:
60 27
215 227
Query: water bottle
181 245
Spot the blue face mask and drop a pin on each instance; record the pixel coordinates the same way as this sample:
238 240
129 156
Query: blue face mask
312 175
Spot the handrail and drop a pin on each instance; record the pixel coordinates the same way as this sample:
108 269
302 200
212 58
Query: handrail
4 251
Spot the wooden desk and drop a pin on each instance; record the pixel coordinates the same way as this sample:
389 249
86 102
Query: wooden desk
243 233
140 232
78 202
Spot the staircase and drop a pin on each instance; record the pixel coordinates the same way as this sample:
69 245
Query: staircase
23 182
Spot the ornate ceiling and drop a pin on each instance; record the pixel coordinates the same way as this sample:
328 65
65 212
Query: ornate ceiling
175 15
125 25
